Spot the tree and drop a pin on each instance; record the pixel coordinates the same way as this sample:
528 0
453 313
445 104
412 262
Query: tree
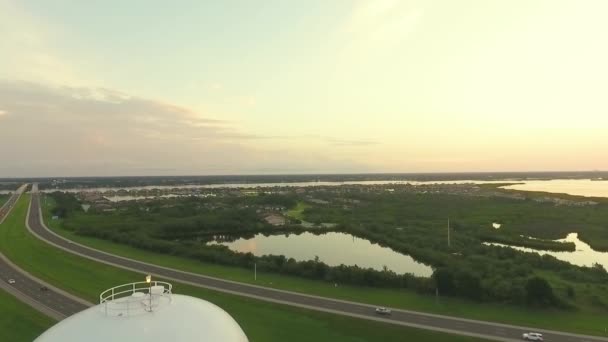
539 292
444 280
570 292
469 285
598 268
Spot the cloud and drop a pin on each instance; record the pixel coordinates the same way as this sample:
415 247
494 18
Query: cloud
79 131
373 38
248 101
100 109
382 23
29 49
96 129
350 143
333 141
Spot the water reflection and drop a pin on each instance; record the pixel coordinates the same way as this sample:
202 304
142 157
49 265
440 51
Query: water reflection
583 255
333 249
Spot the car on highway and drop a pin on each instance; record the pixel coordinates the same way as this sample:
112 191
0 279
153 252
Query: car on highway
11 281
532 336
383 311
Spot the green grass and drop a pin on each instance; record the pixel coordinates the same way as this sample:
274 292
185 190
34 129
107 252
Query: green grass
297 212
19 322
260 320
586 321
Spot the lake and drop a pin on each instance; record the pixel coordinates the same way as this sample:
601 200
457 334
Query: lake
135 198
579 187
333 249
583 255
267 185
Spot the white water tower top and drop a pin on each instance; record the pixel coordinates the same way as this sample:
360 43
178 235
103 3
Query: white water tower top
150 312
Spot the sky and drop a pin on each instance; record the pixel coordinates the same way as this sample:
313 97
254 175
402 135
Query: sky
103 88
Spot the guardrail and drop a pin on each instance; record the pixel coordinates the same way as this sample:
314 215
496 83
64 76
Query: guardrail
135 298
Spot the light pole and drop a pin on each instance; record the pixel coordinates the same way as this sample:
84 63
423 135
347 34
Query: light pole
149 281
449 242
436 294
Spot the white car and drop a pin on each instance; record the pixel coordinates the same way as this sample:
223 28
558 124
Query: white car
532 336
383 311
11 281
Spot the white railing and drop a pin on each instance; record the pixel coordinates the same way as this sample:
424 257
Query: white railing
135 298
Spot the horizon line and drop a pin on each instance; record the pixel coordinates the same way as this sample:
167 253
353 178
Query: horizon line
313 174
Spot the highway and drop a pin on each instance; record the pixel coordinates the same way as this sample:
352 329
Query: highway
51 301
482 329
10 203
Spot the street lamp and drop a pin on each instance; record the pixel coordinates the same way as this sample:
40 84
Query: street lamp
149 281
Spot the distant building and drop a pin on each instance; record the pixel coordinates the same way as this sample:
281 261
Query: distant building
102 206
275 220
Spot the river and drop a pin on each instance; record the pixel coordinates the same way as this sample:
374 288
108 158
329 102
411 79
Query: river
583 255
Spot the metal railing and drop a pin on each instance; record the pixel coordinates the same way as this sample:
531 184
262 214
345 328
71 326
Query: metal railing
135 298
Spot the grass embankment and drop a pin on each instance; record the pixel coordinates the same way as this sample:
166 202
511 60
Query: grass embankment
260 320
19 322
579 322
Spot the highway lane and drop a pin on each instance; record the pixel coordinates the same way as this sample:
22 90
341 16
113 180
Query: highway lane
40 295
495 331
52 302
10 203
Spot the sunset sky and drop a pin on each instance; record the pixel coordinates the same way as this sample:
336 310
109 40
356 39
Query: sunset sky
248 87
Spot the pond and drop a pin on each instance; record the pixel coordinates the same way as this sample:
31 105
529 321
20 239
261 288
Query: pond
583 255
333 249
